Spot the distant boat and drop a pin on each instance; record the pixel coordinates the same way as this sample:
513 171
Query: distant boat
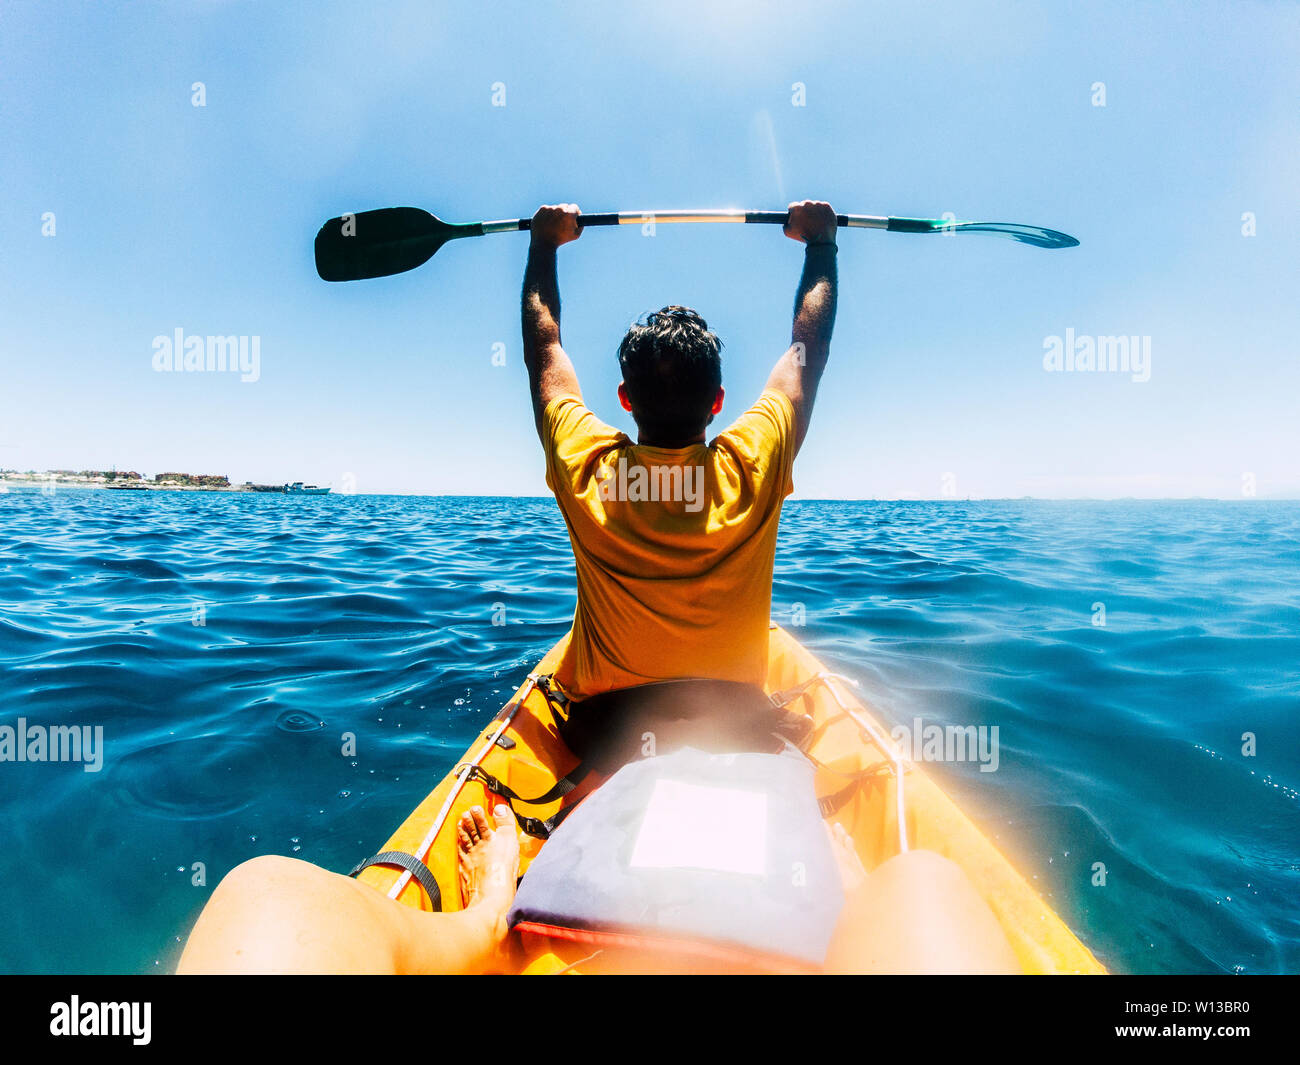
298 488
128 487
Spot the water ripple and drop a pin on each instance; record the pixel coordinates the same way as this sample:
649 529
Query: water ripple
293 675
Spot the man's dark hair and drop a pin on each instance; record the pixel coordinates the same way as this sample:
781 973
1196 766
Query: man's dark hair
672 367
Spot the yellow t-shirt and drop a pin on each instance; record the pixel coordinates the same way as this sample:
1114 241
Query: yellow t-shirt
674 546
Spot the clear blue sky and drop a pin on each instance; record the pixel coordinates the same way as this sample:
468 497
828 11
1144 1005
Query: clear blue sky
169 215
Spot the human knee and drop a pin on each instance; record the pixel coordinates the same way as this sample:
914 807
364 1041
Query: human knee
267 874
929 867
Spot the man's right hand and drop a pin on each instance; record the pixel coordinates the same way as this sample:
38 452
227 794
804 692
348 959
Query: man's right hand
811 221
556 225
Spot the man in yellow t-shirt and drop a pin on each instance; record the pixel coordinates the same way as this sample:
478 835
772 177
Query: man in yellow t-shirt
674 541
674 538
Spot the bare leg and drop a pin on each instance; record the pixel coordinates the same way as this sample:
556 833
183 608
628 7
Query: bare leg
281 915
918 913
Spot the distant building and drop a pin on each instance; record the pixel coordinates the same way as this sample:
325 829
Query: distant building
193 480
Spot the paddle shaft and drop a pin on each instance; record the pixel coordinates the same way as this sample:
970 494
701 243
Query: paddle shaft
638 218
392 240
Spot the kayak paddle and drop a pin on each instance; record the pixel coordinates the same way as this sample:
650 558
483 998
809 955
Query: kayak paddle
393 240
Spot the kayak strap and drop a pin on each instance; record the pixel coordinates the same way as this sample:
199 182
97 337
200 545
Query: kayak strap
870 733
831 804
534 826
539 828
555 695
412 865
558 790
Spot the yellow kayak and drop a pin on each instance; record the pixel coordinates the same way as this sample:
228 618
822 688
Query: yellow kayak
859 770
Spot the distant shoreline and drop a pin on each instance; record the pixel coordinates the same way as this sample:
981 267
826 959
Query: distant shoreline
33 483
43 480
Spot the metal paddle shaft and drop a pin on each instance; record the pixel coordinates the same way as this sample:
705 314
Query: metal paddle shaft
393 240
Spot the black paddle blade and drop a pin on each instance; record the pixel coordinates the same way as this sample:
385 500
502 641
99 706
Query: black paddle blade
391 240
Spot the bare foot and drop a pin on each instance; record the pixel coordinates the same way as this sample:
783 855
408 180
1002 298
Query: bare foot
489 863
852 873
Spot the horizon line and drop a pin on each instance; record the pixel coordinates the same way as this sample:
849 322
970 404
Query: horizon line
236 490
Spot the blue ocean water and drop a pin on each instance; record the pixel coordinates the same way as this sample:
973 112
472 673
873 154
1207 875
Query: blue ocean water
227 642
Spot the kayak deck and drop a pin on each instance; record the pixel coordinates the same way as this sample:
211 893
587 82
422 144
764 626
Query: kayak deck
842 744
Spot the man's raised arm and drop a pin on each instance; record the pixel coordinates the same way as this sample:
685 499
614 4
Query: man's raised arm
799 370
550 373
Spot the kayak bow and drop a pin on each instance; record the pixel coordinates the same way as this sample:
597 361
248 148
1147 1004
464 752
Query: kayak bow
891 809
